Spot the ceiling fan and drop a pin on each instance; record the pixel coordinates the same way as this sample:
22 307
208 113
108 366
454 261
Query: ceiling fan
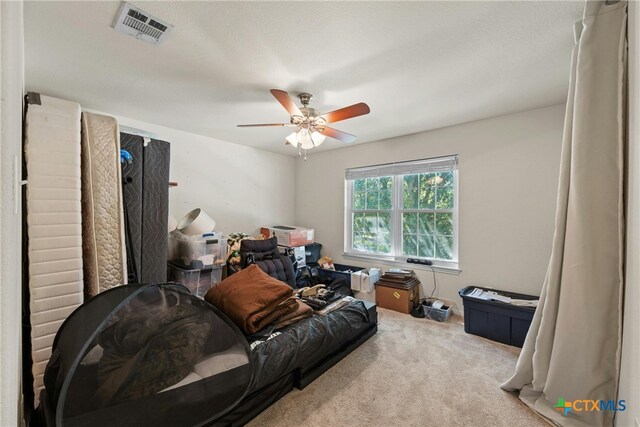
312 126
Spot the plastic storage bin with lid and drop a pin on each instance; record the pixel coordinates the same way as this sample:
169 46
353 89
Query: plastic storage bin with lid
197 280
200 251
505 321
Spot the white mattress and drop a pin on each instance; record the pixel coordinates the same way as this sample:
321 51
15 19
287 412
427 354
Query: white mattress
102 213
54 223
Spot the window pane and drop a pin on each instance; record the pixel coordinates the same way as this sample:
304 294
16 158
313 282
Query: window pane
427 179
426 223
411 181
409 244
372 200
384 243
425 246
371 224
444 247
359 185
359 200
444 223
410 223
384 222
372 184
358 222
386 182
410 185
372 232
411 198
427 196
357 241
444 179
369 243
385 199
445 198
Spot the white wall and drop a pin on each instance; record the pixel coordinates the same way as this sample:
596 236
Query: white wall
12 89
241 188
629 388
508 175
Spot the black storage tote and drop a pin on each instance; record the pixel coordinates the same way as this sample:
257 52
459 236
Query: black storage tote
497 321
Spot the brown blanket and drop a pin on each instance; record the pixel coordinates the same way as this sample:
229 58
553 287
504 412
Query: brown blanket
302 311
252 299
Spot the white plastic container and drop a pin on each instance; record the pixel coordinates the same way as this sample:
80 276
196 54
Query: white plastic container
209 249
198 281
364 280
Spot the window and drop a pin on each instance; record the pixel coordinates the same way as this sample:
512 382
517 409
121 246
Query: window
404 210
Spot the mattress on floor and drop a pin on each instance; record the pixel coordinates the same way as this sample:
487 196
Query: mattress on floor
306 342
102 214
54 222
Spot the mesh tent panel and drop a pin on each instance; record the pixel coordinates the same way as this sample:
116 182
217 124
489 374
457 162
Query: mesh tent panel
150 354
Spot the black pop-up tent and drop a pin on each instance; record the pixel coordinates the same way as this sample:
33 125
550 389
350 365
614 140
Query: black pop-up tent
145 355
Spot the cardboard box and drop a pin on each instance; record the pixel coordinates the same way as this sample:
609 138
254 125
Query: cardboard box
396 299
289 235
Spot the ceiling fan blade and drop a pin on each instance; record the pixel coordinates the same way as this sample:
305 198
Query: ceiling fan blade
337 134
349 112
286 101
265 124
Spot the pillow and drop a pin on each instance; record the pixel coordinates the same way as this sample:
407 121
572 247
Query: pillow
250 298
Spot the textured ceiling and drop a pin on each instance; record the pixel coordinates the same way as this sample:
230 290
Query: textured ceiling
419 65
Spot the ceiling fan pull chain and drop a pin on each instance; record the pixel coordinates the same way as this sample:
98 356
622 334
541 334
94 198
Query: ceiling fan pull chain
305 154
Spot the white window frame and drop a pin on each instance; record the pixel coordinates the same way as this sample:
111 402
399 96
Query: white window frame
397 211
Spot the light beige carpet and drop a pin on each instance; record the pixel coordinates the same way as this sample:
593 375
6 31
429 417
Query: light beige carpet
413 372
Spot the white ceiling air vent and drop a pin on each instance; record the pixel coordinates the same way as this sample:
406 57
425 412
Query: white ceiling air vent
139 24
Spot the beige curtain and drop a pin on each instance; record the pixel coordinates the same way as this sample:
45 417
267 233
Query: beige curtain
572 350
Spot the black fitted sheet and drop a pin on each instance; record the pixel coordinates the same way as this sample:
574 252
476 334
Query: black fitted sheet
307 342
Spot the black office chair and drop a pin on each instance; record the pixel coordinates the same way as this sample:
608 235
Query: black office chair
265 254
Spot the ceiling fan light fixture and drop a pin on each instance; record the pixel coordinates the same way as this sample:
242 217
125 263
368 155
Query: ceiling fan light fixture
304 139
292 139
317 138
